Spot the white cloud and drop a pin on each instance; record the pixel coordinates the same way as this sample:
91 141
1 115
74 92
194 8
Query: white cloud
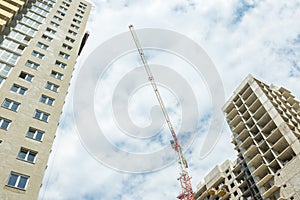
263 41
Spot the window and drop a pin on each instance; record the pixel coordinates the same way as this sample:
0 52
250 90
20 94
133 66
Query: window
27 155
31 64
235 193
47 100
19 37
57 75
18 89
67 47
10 104
30 22
50 31
41 115
42 5
57 18
4 123
35 16
74 26
83 4
232 185
60 64
63 8
39 11
37 54
1 80
25 29
12 46
47 38
64 55
42 45
65 4
54 24
52 86
35 134
4 69
80 11
82 7
70 39
76 21
26 76
72 32
60 13
79 16
229 177
8 57
18 180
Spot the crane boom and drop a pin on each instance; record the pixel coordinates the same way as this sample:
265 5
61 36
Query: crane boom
185 180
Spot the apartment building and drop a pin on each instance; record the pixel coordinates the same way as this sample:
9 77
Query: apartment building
40 41
265 123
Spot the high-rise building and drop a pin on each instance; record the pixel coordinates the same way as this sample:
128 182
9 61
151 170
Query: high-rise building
265 122
40 41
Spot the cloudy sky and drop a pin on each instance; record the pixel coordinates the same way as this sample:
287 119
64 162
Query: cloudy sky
240 37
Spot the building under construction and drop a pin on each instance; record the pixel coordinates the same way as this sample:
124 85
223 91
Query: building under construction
265 125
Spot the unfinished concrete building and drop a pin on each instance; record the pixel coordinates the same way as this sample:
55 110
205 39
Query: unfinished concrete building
265 122
40 41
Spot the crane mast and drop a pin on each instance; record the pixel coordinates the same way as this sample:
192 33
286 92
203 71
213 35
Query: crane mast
184 178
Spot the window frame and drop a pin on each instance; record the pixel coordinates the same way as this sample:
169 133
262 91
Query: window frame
17 181
12 105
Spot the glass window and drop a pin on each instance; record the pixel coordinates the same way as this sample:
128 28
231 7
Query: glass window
77 21
41 115
17 180
72 32
13 46
60 64
35 16
50 31
63 8
57 18
35 134
52 86
70 39
8 57
65 4
31 64
27 155
4 123
26 76
74 26
47 38
42 45
18 89
64 55
60 13
10 104
56 75
38 54
54 24
1 80
79 16
67 47
39 11
4 69
47 100
31 23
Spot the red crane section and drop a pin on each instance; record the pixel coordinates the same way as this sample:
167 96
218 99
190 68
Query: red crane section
184 178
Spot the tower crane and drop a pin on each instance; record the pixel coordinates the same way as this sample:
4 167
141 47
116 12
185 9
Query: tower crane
184 178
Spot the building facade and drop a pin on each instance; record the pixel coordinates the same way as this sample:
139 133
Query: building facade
265 122
39 45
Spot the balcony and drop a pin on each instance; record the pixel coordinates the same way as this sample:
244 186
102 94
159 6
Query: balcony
251 152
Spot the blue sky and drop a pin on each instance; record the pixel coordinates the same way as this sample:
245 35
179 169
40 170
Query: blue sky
240 37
